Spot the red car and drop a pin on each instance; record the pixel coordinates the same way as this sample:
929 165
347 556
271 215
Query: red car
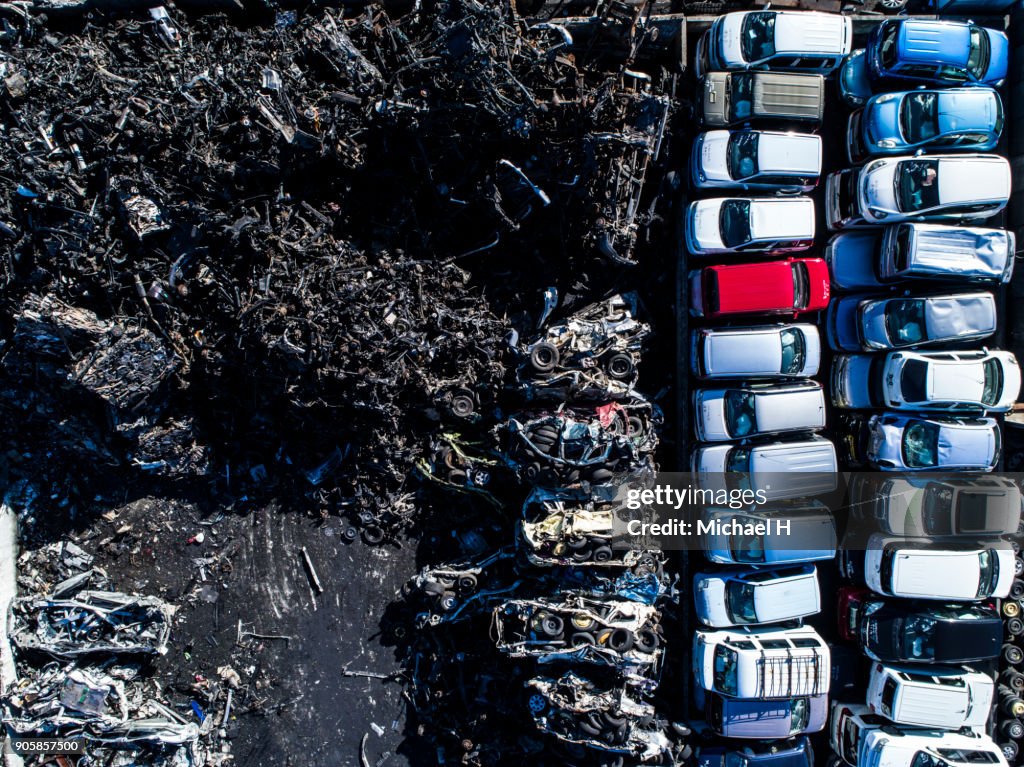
793 286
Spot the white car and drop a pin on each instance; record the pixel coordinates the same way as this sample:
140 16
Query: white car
894 189
945 381
782 470
749 411
754 597
943 443
948 697
920 568
766 351
804 41
733 224
751 159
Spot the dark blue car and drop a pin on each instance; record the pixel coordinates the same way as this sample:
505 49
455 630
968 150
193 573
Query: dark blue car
786 753
939 52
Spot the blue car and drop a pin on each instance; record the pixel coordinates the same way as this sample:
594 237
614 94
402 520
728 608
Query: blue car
796 752
968 119
937 52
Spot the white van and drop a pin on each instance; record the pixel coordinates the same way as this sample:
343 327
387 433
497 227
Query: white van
754 597
862 738
925 569
931 696
766 664
782 470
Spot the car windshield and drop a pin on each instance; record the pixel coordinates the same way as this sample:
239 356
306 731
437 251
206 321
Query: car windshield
801 282
917 185
887 48
919 117
739 413
725 670
977 58
921 445
793 351
888 696
738 460
912 380
734 222
993 388
800 715
988 576
741 602
747 549
924 759
904 321
901 250
742 154
758 41
917 634
741 87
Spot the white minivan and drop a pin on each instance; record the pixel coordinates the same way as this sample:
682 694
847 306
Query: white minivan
926 569
753 410
766 664
754 597
931 696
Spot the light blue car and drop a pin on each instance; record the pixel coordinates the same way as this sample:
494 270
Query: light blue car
960 119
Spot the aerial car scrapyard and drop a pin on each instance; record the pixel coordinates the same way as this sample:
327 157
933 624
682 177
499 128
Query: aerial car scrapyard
331 333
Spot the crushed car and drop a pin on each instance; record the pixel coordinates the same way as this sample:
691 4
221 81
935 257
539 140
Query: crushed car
459 590
463 465
572 445
593 354
578 627
574 709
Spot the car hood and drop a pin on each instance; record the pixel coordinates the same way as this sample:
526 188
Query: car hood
842 324
711 459
853 79
709 593
851 260
711 411
881 119
999 58
850 379
877 187
731 26
704 218
713 155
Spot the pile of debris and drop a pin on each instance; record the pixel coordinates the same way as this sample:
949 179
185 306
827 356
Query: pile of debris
82 659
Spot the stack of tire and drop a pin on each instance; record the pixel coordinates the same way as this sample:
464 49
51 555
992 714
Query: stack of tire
1009 732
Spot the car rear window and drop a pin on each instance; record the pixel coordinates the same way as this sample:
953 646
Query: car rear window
919 117
917 185
734 222
711 295
742 154
977 58
794 351
993 382
801 282
888 696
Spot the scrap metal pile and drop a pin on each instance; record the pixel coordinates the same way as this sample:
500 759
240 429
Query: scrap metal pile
300 259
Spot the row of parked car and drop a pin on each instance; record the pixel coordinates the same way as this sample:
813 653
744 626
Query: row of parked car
907 214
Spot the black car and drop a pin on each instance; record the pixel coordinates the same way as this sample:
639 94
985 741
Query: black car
898 631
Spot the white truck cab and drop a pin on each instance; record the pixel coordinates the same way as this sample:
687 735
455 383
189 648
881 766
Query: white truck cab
766 664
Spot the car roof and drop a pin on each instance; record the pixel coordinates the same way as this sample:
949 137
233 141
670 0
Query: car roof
809 32
964 109
953 315
959 248
781 218
932 41
778 409
789 153
970 178
755 286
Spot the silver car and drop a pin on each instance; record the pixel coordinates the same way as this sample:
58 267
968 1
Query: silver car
766 351
750 411
968 381
856 323
781 470
905 443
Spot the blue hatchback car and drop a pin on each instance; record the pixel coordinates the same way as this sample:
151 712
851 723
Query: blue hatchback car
939 52
962 119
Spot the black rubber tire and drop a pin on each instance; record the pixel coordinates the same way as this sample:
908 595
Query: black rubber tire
601 475
544 357
612 720
373 535
589 729
466 583
1010 750
551 625
1011 608
681 730
1013 679
1018 566
1015 626
1017 589
582 638
892 6
462 406
685 753
602 554
620 640
1012 654
1012 729
646 641
636 426
532 472
580 555
620 366
577 543
449 602
457 477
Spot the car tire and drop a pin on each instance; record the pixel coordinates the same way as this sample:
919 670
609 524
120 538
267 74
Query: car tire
1010 750
544 357
1015 626
646 641
620 366
620 640
602 554
1012 729
1017 589
550 625
612 720
1012 654
589 729
462 406
1018 566
466 583
373 535
537 704
1011 608
582 639
582 622
598 476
